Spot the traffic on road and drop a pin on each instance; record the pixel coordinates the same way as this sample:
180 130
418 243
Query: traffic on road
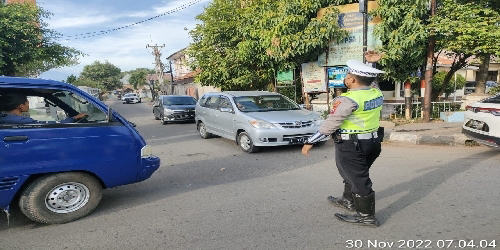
277 194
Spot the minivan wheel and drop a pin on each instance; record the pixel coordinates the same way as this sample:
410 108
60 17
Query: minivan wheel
163 122
60 198
246 143
203 131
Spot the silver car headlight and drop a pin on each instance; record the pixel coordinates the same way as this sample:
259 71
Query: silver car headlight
168 111
146 151
261 124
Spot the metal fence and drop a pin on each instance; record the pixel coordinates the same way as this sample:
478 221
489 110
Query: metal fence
397 110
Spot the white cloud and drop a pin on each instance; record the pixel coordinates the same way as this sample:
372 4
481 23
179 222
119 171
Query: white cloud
126 48
82 21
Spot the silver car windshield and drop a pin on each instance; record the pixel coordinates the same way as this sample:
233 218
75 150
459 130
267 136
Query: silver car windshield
178 100
264 103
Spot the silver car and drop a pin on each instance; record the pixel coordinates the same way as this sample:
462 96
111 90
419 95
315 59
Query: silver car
255 119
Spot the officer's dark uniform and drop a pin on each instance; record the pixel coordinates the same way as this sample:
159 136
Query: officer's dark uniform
354 122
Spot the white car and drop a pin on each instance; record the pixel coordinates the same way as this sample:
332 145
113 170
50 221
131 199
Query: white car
482 121
131 98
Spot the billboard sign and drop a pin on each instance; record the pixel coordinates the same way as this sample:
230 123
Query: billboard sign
351 47
336 76
313 77
284 78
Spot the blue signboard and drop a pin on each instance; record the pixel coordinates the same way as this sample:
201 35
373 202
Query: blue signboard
336 76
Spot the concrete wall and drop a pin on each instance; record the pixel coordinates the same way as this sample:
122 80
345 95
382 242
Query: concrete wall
193 89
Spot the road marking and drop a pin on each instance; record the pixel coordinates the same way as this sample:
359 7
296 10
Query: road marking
172 137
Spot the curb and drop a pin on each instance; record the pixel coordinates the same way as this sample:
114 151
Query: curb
451 140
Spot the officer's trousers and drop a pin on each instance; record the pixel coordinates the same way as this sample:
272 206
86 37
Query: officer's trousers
354 166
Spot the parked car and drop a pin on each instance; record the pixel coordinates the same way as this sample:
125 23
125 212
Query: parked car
131 98
173 108
56 171
482 121
470 86
255 119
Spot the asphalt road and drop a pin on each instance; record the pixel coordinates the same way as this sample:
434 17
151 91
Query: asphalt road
208 194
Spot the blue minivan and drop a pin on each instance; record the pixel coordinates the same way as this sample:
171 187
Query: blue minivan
56 170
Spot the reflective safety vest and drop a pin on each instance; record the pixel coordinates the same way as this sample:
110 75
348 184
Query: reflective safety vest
366 118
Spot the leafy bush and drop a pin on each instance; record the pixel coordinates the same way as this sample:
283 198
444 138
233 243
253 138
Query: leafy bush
494 90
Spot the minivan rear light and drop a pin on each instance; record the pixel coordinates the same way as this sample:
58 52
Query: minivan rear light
494 111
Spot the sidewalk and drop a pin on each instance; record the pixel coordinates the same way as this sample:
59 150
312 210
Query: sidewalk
443 133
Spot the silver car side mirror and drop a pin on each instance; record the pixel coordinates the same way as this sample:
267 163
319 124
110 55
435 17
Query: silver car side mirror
228 110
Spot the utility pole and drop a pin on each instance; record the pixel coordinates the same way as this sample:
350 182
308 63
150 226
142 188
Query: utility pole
171 72
158 65
429 70
363 8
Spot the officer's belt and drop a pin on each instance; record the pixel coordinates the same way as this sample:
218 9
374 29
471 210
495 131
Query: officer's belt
359 136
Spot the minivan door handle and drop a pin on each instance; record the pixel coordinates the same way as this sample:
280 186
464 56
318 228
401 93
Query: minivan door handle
15 138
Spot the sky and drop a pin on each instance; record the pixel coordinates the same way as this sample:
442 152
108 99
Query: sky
125 48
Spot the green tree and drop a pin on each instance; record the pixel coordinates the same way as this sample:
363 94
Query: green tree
403 31
467 28
462 29
86 82
106 75
71 79
27 46
240 45
138 76
438 81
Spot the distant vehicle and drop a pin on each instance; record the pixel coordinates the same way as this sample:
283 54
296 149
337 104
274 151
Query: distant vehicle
255 119
482 121
470 86
131 98
172 108
56 171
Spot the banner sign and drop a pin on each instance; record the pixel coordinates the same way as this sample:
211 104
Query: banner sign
351 47
313 77
284 78
336 76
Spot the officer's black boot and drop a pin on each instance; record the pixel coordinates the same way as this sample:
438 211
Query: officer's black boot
365 211
346 201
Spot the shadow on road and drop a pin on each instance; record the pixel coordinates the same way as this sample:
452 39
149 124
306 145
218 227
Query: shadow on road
423 185
174 180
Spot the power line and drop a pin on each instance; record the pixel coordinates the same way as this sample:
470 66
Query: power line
102 32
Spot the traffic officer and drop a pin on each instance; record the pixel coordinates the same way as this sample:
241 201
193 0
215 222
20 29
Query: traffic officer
14 105
354 123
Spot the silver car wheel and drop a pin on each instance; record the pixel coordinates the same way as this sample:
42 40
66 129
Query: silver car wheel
67 197
245 142
203 130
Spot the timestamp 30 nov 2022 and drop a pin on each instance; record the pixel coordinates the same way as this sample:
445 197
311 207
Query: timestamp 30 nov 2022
421 244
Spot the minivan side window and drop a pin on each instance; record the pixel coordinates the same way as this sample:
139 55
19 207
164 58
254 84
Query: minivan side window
81 105
53 108
213 102
203 100
225 103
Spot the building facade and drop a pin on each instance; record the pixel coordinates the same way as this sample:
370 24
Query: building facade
184 77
